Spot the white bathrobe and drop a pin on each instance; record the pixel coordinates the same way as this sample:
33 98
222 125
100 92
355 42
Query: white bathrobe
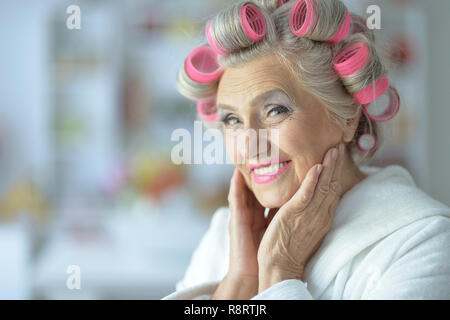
389 240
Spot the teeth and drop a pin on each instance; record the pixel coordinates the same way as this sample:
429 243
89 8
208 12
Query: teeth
269 169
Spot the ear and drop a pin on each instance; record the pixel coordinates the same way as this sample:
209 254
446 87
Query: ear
351 126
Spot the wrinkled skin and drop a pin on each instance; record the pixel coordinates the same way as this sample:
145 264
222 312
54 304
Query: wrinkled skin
264 94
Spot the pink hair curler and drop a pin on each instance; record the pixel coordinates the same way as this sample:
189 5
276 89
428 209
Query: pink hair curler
366 142
384 108
207 109
301 17
343 30
211 41
253 22
202 66
281 2
372 91
351 59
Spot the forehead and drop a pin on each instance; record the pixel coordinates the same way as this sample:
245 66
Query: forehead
243 83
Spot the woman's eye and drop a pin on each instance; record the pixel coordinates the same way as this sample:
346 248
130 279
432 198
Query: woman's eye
230 120
276 111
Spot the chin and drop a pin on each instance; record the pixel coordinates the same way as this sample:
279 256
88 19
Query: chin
272 198
276 193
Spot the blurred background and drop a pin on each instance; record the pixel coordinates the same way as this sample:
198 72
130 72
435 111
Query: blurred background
86 118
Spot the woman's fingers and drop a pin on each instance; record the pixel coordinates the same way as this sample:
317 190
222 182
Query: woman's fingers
301 199
335 184
243 204
323 186
237 185
243 192
236 199
232 192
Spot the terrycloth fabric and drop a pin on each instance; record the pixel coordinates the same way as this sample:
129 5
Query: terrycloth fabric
389 240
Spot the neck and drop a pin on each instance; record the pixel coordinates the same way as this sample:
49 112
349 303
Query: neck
351 174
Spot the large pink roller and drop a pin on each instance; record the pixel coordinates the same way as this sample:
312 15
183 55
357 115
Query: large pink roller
303 20
379 100
253 24
201 65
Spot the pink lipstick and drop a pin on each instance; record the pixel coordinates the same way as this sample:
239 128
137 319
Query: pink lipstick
268 171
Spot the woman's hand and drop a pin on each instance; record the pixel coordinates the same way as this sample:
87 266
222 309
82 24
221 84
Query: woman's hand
246 228
298 228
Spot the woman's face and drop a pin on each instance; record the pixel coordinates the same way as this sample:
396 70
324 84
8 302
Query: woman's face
264 94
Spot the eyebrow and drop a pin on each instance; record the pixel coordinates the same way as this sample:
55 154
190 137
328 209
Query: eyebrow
258 99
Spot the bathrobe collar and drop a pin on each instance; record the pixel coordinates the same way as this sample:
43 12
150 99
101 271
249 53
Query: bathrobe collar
382 203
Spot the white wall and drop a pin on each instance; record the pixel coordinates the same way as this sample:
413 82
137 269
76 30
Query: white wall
23 88
438 17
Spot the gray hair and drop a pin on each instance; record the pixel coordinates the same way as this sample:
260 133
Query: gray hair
312 54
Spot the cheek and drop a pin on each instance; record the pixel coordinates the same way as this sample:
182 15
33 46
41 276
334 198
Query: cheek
232 150
300 140
306 143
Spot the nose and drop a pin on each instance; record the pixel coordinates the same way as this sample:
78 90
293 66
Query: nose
247 145
256 145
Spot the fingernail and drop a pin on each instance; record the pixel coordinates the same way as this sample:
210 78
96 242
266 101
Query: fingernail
334 153
319 168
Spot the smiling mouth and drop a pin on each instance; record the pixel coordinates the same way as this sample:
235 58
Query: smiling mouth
267 173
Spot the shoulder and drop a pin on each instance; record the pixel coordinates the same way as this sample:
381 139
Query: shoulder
403 238
209 262
430 234
411 263
416 240
388 197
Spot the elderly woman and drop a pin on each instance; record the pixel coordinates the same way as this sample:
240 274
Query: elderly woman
333 229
